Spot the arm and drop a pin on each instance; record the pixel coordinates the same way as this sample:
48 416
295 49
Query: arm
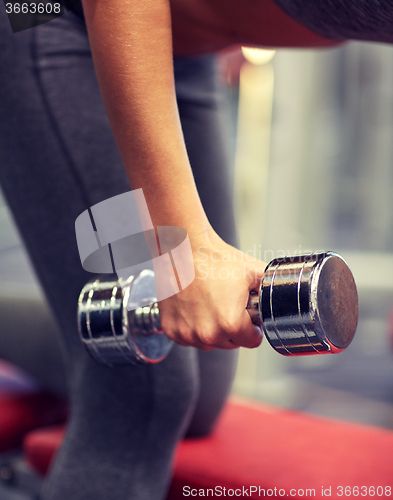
131 42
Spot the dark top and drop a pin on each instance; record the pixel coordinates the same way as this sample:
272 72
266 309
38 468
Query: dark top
78 9
352 19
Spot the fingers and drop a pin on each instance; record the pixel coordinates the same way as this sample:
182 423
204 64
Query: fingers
229 336
211 312
249 335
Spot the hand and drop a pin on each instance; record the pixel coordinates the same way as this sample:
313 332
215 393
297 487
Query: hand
211 312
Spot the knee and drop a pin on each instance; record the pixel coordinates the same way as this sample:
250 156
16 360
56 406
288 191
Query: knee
157 399
216 373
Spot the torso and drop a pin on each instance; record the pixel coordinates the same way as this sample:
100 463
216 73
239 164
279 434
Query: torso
203 26
206 26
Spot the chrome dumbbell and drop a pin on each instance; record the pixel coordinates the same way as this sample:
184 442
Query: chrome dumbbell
306 305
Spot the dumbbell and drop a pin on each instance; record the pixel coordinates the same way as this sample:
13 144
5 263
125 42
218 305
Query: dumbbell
306 305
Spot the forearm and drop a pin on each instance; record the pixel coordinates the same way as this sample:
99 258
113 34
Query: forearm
352 19
131 42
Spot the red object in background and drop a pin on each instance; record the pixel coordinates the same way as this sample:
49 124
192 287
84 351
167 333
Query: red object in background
20 413
260 445
41 446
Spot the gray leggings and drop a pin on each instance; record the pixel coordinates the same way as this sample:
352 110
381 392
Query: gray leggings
57 158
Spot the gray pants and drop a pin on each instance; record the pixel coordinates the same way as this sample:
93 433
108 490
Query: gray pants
57 158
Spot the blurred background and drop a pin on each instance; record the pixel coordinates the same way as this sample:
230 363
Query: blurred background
313 169
312 158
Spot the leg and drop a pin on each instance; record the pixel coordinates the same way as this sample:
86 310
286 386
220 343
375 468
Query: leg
59 158
201 111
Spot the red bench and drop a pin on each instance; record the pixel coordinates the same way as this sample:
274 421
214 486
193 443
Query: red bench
282 452
22 412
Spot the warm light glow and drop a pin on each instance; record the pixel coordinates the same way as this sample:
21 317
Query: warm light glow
258 56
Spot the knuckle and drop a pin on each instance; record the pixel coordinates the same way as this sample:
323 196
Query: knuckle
209 339
186 336
231 327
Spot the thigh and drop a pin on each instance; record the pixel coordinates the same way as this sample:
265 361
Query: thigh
58 158
57 153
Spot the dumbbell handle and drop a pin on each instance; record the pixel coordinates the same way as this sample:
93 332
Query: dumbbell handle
253 308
